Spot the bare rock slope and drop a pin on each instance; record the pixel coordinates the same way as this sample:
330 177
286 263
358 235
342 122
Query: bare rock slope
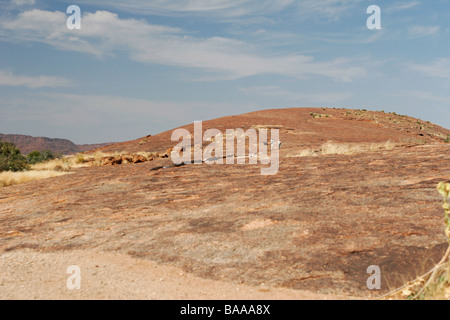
314 227
304 127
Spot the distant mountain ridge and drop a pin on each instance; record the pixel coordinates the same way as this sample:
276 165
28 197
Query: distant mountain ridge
27 144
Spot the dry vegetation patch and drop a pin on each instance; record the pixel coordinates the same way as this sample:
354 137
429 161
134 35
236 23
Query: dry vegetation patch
435 284
332 148
61 166
12 178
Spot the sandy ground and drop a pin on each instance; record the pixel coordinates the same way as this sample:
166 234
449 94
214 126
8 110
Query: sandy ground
32 275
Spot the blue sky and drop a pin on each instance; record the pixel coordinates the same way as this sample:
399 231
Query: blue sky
142 67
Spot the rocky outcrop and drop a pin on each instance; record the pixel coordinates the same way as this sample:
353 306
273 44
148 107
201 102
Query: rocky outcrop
317 225
309 127
133 158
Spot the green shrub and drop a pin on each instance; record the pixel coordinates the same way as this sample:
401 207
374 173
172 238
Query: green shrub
11 159
38 157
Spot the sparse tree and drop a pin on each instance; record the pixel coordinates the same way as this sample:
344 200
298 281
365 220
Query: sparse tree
11 159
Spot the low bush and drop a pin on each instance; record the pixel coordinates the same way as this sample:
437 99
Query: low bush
38 157
11 159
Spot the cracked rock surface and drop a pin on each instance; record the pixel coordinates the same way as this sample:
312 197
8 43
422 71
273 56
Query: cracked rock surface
311 231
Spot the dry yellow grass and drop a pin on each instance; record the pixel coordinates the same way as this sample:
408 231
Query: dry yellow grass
54 168
58 167
12 178
267 126
82 160
75 161
63 164
440 289
332 148
435 284
147 154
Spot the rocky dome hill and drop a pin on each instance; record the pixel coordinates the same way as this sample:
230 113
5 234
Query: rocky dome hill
219 231
309 127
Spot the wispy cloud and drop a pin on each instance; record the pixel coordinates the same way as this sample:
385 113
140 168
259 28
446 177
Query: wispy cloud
298 97
226 9
104 33
218 7
78 117
400 6
8 78
23 2
331 9
423 31
66 108
424 95
439 68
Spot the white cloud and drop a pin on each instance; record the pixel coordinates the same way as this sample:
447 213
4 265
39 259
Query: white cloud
423 95
93 110
439 68
10 79
400 6
331 9
231 8
299 97
23 2
101 118
104 33
423 31
225 8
